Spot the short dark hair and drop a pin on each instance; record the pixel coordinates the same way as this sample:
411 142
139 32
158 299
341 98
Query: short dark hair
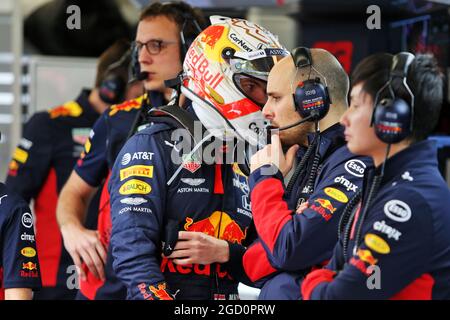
110 56
178 12
424 79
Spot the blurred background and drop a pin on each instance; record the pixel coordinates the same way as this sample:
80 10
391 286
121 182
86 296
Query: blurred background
43 63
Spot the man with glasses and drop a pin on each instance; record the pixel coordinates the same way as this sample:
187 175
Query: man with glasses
159 31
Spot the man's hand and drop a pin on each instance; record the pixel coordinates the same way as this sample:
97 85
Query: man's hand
18 294
84 245
302 207
199 248
273 154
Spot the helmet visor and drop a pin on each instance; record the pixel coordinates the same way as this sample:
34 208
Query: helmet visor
251 70
253 88
259 67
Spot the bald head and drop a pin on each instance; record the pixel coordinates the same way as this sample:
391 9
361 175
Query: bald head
326 67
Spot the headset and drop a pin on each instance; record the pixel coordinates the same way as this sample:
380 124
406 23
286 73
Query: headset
392 117
184 40
311 98
113 85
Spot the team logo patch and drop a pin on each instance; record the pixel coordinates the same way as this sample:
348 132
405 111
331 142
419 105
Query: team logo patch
136 171
28 252
160 292
366 256
397 210
377 243
27 220
355 167
29 266
336 194
135 186
20 155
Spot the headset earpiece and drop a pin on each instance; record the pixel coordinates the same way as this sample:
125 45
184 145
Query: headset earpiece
392 116
112 89
311 98
186 41
113 86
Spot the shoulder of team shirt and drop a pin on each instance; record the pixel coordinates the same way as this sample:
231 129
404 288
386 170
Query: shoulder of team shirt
125 106
354 165
70 109
9 202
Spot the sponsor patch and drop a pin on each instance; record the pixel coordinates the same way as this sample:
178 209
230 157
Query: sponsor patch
397 210
191 189
29 266
193 182
377 243
382 227
366 256
407 176
20 155
25 143
133 201
346 183
28 252
336 194
135 186
27 237
27 220
29 274
355 167
135 209
323 207
190 163
126 159
136 171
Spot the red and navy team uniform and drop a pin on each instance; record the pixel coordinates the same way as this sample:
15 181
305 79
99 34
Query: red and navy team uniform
403 250
292 243
19 266
42 162
108 135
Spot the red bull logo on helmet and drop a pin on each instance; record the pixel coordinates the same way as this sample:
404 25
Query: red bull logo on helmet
212 34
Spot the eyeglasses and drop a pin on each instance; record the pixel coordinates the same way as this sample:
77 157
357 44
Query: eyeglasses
153 46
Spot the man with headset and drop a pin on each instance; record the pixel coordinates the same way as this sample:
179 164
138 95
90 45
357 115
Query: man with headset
395 235
51 144
297 198
162 34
